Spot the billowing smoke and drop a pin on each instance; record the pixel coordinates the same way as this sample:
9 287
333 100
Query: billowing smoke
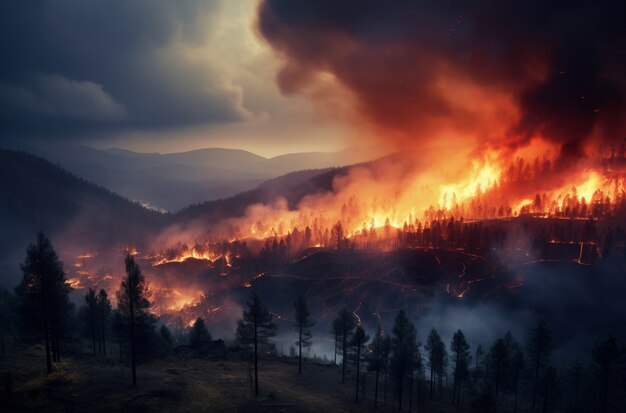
487 73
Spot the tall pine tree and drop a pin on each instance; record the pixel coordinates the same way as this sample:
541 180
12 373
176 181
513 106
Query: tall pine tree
303 326
42 297
254 329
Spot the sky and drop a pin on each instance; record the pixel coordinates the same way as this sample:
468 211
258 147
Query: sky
152 77
279 76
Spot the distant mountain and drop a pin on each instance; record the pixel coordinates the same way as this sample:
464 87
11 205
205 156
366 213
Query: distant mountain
40 196
173 181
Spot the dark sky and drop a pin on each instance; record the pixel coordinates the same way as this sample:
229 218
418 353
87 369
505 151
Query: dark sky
150 75
299 74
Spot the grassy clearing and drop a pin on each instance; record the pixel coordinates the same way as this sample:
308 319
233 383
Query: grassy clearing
172 385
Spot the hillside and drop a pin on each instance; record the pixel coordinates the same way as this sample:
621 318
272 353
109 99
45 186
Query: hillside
175 180
40 196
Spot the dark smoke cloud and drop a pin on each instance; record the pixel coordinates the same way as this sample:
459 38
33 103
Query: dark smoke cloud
562 63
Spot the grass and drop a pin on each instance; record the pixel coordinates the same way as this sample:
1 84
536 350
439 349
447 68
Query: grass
172 385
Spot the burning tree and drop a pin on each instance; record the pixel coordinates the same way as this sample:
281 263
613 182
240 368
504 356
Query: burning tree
303 326
254 329
43 296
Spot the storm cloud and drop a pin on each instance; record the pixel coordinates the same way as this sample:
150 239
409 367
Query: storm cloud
501 72
90 67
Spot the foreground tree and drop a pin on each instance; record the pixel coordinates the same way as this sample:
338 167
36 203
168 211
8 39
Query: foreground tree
437 358
254 329
462 359
199 337
104 317
42 296
377 358
359 339
89 316
609 360
345 325
133 305
404 353
303 326
497 362
539 348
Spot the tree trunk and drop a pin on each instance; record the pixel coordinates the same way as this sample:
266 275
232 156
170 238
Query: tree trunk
344 348
300 349
400 391
385 388
537 365
410 391
132 330
256 362
432 379
358 365
376 388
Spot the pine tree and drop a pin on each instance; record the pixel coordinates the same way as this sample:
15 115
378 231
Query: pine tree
404 353
437 357
42 296
462 358
303 326
254 329
133 305
345 324
104 317
359 340
336 332
539 349
498 364
377 358
199 337
89 314
609 360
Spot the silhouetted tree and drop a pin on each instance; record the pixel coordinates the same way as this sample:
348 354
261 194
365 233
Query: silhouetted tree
133 305
42 296
549 383
358 342
404 349
104 316
437 357
539 348
199 337
167 337
346 325
336 332
574 382
609 359
303 326
254 329
515 365
462 358
89 315
377 358
497 367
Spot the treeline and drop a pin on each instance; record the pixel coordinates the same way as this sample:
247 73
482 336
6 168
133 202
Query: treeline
391 367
